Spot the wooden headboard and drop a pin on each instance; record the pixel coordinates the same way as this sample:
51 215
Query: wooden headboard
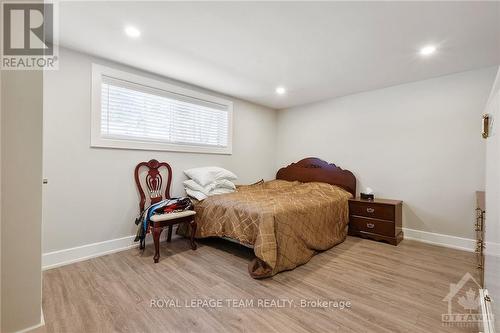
313 169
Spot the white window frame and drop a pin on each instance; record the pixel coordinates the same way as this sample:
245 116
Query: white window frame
97 140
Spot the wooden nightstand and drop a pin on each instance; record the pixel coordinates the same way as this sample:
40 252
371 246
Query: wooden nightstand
380 219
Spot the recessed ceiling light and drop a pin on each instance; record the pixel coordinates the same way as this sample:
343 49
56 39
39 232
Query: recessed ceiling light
132 31
427 50
280 90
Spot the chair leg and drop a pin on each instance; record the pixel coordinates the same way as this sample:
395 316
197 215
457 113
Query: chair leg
156 238
169 235
193 232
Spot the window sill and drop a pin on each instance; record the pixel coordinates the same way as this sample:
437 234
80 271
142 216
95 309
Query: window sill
156 146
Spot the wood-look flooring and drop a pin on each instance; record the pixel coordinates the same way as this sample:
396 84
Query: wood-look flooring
392 289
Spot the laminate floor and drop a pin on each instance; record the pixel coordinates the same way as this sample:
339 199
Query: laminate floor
390 289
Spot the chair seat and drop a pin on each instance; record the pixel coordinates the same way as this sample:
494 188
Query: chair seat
172 216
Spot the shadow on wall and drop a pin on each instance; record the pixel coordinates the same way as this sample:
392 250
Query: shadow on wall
412 220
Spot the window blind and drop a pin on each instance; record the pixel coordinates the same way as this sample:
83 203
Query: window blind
132 111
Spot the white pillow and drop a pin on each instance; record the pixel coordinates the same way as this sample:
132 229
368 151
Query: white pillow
223 183
202 196
196 194
220 191
218 184
206 175
194 186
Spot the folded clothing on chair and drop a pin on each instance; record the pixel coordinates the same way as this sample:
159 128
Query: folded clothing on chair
163 207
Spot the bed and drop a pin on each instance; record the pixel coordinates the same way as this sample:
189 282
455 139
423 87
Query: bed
286 221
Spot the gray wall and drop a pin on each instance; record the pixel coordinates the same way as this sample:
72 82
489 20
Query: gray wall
21 200
418 142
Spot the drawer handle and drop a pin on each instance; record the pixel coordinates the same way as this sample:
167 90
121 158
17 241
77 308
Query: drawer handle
370 225
370 210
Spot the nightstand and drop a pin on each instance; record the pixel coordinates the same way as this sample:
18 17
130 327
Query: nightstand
378 219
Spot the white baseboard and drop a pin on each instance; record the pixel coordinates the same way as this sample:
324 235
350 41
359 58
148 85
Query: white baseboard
84 252
459 243
492 249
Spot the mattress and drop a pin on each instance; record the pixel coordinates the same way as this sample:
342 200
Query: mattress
285 223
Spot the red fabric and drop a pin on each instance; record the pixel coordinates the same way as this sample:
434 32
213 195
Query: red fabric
174 207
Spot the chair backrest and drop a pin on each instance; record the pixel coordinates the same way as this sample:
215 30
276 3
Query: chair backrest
153 183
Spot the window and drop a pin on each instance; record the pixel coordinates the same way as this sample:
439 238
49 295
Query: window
133 112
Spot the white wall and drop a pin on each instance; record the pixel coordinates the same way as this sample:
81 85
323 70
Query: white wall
418 142
492 225
1 107
21 199
492 169
91 195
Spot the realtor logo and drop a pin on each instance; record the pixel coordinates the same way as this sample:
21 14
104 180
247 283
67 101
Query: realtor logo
463 303
28 37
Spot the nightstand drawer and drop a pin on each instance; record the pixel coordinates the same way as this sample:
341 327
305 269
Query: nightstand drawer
373 210
373 226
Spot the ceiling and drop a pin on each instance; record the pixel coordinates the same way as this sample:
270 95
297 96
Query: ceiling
317 50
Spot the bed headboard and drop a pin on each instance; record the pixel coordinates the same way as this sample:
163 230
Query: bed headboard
313 169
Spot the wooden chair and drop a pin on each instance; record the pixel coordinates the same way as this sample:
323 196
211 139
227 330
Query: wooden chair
152 184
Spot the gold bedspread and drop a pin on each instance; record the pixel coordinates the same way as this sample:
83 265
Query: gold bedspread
285 222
